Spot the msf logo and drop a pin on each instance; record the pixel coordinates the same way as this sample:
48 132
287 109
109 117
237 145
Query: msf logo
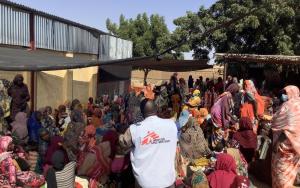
151 136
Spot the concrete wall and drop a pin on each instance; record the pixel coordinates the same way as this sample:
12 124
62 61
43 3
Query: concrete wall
55 87
49 90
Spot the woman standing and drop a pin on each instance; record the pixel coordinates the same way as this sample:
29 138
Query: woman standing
222 111
252 104
286 139
246 138
191 82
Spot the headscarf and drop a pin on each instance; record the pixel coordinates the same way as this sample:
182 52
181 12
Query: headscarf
199 180
33 127
75 105
43 144
19 126
98 112
233 88
4 143
73 132
241 163
225 172
287 118
200 115
77 116
57 160
112 137
89 134
55 145
90 130
192 142
183 118
221 111
245 135
250 89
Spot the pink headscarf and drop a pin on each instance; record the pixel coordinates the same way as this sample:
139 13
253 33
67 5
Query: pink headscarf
4 143
287 118
225 172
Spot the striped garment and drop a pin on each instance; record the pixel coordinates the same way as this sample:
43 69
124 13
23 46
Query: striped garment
286 155
66 177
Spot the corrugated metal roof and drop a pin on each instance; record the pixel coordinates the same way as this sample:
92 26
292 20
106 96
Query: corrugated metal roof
47 15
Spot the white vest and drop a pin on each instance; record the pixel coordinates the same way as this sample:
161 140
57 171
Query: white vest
153 156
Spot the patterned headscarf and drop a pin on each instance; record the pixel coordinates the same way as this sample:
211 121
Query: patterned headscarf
249 87
287 118
4 143
292 92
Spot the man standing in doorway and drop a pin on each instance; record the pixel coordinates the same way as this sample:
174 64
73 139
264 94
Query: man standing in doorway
153 148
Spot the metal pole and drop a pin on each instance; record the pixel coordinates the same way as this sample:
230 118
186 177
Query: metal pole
225 74
32 91
32 76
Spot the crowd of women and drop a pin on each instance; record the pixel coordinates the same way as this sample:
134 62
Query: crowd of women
224 129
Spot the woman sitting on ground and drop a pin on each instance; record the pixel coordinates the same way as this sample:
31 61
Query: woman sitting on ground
225 172
10 173
61 174
93 159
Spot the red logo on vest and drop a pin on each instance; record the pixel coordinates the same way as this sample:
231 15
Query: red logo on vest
149 138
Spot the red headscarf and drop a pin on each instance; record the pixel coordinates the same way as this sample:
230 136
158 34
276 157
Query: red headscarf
247 110
225 172
55 145
112 138
245 135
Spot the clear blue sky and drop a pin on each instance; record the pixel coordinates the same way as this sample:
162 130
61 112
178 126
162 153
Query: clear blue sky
95 12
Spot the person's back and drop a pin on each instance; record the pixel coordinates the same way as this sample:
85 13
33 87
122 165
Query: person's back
153 156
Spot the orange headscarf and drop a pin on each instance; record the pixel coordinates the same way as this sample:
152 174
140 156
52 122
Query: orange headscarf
89 134
199 115
250 88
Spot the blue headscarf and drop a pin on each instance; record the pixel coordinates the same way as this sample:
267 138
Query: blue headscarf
33 128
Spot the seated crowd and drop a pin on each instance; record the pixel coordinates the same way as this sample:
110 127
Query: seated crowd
201 134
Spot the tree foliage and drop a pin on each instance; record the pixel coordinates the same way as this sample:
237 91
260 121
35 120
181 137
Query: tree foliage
272 29
150 35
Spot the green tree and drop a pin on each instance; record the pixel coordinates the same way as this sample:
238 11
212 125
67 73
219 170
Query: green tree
271 29
150 36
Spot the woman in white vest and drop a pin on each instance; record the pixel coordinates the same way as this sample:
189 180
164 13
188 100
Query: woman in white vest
153 148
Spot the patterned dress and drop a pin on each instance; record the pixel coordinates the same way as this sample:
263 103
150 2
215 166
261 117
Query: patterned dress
286 139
